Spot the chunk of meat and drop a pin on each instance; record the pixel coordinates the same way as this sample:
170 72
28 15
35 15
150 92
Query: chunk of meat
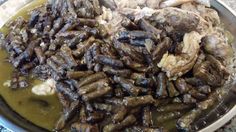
208 14
172 19
180 64
180 20
216 45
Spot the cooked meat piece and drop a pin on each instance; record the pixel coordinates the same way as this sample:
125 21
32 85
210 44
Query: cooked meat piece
177 65
217 45
79 127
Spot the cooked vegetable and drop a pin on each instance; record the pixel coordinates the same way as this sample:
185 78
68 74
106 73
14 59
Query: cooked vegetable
146 26
182 86
174 107
134 65
128 121
161 91
128 86
135 37
66 89
138 101
204 89
161 49
92 87
197 95
91 78
172 89
103 107
95 117
168 116
105 60
78 74
118 91
194 81
98 93
212 72
79 127
188 99
83 48
120 114
147 117
125 49
117 72
185 121
68 115
39 53
128 24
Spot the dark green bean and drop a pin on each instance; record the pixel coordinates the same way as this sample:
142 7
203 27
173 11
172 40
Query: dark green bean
175 107
182 86
117 72
128 121
172 90
91 78
80 127
185 121
161 49
161 91
78 74
96 94
162 117
92 87
83 47
138 101
120 114
103 107
109 61
128 86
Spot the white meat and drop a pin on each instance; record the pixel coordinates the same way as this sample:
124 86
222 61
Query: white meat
46 88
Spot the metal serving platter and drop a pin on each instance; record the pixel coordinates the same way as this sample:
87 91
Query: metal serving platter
213 120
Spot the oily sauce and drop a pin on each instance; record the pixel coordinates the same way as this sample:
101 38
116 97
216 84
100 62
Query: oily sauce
43 111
